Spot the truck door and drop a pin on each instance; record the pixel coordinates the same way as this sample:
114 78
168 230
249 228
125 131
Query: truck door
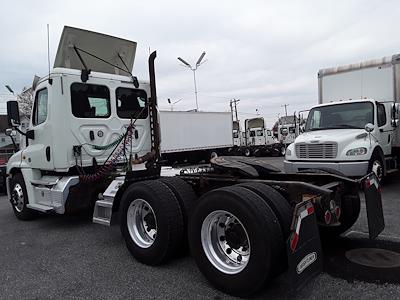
38 153
385 134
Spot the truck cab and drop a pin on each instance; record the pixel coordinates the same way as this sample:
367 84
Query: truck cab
353 137
79 112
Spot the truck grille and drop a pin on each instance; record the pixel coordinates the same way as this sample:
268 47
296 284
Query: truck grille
323 150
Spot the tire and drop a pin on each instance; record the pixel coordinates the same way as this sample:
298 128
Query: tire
260 236
350 208
19 199
154 234
376 165
282 151
247 152
187 200
279 205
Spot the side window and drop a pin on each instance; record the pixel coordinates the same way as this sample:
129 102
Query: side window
90 100
381 115
40 107
269 132
131 103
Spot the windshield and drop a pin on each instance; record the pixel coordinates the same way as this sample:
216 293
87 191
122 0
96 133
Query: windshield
259 133
349 115
235 135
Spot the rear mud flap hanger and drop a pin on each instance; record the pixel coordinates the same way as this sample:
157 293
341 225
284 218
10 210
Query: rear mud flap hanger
303 247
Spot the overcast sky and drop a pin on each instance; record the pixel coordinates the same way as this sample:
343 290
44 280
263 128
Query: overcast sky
265 53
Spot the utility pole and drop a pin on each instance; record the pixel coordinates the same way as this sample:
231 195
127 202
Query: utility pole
233 104
285 105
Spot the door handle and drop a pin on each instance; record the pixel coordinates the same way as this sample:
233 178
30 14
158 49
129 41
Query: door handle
91 135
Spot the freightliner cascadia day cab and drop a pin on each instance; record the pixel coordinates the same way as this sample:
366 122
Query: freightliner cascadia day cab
354 129
94 142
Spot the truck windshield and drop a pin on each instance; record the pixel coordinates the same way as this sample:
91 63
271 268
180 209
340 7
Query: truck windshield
259 133
338 116
235 135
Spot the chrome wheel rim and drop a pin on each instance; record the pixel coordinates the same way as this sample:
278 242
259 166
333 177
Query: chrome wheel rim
377 169
17 197
225 242
142 223
247 152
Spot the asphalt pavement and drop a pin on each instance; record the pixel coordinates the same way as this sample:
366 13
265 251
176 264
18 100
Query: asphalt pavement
69 257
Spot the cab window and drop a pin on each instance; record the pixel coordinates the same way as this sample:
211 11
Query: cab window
40 107
269 132
131 103
252 133
90 100
381 115
259 133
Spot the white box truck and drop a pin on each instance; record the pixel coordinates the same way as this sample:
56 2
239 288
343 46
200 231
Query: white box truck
354 128
194 136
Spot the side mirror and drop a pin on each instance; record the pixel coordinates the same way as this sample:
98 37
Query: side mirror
11 132
13 113
369 127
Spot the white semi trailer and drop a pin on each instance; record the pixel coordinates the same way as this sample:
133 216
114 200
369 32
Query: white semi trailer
94 141
194 136
354 129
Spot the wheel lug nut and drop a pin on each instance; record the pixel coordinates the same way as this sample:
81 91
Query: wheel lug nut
222 238
228 251
239 258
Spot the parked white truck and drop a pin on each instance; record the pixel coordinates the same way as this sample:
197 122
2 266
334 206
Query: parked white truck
354 129
194 136
94 141
260 140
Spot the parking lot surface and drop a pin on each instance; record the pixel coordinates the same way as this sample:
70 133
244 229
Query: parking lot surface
69 257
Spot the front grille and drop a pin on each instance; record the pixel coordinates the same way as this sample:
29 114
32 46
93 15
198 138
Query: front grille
321 150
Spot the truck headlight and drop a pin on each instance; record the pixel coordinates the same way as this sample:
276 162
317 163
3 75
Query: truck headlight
357 151
288 152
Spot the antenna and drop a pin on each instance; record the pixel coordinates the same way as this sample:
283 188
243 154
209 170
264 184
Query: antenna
48 52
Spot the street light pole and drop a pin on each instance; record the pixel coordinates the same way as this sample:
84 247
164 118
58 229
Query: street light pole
198 63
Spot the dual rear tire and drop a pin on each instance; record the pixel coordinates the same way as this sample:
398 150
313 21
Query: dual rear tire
236 234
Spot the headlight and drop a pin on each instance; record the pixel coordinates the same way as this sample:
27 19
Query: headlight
288 152
357 151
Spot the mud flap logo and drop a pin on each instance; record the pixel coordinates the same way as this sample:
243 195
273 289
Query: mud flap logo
306 262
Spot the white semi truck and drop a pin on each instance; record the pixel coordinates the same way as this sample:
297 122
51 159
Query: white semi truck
94 141
194 136
260 140
354 129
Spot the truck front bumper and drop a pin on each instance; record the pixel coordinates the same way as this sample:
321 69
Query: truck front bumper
351 168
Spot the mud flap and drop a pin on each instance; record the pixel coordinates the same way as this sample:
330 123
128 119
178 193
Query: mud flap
303 247
373 201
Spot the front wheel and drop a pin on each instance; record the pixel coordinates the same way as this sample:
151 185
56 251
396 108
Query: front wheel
376 166
19 198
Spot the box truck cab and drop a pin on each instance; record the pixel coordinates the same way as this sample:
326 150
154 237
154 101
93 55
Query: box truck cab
354 129
287 133
236 134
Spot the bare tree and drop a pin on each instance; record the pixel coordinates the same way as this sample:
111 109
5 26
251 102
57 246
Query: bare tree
25 99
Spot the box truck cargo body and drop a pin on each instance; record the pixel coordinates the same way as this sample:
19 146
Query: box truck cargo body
194 136
354 129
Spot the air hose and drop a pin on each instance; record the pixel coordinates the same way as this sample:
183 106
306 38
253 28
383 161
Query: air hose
113 159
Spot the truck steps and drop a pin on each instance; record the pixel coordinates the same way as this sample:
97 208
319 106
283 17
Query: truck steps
102 212
40 207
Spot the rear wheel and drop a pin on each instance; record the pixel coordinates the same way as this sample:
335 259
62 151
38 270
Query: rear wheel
235 238
187 200
19 198
247 152
151 221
